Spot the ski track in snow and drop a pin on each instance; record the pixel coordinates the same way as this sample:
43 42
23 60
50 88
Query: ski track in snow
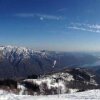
87 95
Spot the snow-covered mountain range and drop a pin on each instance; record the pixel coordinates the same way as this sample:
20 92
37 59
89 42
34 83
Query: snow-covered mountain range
19 62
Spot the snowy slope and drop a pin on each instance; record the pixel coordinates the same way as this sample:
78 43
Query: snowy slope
60 82
87 95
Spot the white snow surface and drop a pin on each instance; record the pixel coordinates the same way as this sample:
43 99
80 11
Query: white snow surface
87 95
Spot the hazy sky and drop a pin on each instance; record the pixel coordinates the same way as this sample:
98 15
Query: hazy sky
66 25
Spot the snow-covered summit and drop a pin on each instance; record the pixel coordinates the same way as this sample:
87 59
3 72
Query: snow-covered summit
22 61
14 49
15 52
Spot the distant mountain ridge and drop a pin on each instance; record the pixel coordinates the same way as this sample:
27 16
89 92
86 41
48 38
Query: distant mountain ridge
19 62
